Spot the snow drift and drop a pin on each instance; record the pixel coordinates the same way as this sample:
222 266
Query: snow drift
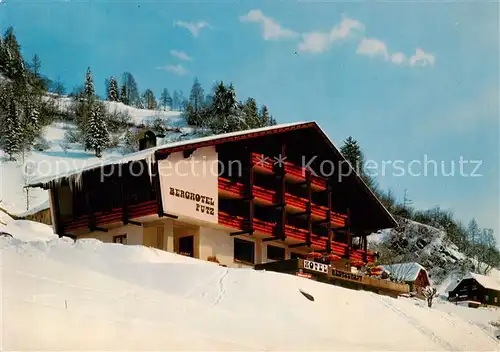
86 295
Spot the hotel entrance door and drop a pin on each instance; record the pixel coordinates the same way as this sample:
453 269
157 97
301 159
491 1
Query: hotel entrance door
186 246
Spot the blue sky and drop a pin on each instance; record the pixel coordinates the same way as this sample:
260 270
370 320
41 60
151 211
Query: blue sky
409 80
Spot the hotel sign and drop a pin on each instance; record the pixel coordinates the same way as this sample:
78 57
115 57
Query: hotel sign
318 267
189 186
345 275
203 204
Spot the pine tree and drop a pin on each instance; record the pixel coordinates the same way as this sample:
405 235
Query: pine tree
225 113
353 154
3 57
175 100
112 90
251 114
265 118
97 136
165 99
182 101
149 99
30 124
35 66
12 131
208 99
133 96
14 60
197 95
124 95
89 86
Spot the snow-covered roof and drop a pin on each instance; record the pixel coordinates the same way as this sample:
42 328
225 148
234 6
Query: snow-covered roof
148 154
405 271
489 282
43 206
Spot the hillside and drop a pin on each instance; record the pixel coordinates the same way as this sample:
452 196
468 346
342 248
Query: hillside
138 298
62 156
427 245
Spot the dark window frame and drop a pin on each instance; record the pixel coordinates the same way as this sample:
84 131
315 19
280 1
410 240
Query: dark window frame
120 239
295 255
275 252
245 259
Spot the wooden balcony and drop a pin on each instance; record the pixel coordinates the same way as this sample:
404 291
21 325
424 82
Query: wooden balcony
293 173
112 216
294 204
294 235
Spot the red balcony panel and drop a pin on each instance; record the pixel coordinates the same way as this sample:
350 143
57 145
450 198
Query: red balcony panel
270 196
266 164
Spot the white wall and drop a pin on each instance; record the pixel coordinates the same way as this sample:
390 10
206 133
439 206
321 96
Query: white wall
219 243
215 242
189 186
134 234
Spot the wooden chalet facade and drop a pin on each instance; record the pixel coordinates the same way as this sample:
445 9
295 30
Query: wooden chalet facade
476 288
411 273
278 193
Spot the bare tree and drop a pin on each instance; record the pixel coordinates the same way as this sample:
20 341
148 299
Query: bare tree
429 294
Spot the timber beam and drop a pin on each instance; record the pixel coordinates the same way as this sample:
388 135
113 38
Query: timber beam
302 213
309 208
242 232
132 222
296 245
274 238
169 216
329 221
274 206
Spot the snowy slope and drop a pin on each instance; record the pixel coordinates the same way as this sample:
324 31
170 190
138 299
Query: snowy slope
427 245
61 295
63 157
138 116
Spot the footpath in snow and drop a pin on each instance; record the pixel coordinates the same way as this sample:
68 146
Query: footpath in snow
86 295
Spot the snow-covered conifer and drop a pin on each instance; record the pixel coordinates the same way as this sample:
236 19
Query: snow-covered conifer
11 131
89 86
97 135
112 90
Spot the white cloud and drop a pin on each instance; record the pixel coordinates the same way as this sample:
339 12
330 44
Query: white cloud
193 27
175 69
345 28
398 58
372 47
270 28
421 58
181 55
376 48
318 42
314 42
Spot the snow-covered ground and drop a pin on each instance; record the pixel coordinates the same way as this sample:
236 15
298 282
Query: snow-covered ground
86 295
62 157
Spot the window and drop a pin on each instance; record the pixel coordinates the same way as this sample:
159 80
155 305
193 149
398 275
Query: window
486 298
495 299
244 251
275 253
120 239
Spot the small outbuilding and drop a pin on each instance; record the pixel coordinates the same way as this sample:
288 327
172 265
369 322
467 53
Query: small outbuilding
412 273
476 288
147 139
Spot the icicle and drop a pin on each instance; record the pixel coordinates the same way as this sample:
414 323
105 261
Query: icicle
150 165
